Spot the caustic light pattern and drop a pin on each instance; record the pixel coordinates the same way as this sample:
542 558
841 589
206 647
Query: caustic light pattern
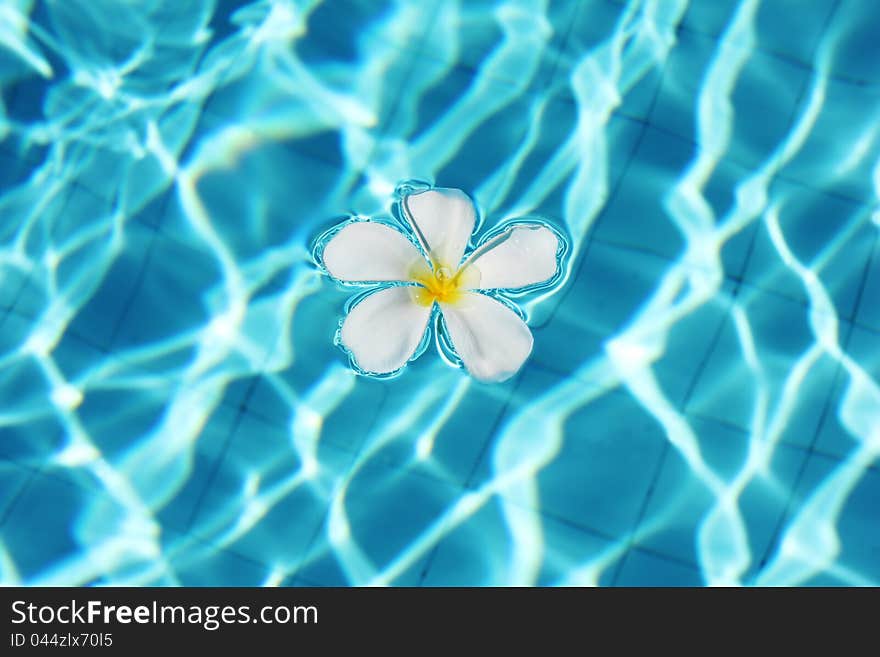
700 403
385 329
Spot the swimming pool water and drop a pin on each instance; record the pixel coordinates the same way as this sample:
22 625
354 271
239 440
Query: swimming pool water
702 402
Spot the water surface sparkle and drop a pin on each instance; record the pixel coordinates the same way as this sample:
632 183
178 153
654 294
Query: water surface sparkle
702 403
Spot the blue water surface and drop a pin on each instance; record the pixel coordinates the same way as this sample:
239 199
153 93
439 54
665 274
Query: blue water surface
702 404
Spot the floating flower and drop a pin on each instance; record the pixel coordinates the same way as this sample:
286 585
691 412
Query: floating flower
426 274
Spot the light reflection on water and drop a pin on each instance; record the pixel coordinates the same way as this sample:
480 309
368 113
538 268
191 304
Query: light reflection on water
702 404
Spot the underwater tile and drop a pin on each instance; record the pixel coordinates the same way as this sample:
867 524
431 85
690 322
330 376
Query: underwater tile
191 563
675 107
709 18
76 356
352 97
259 502
781 27
609 286
593 33
221 569
160 213
533 384
36 531
768 501
609 435
44 530
720 193
345 31
573 556
688 345
439 420
840 150
22 295
567 341
323 566
386 510
116 41
13 169
862 347
457 128
514 190
15 330
32 441
636 216
97 317
119 418
13 479
681 503
826 579
100 513
855 526
491 153
680 500
87 280
320 378
868 313
315 358
101 170
238 390
767 94
500 42
594 23
461 147
719 392
24 96
173 337
855 45
346 410
736 251
147 318
277 209
640 98
30 302
479 551
55 219
784 29
600 307
337 117
201 458
326 566
834 437
646 569
82 211
757 125
728 390
31 430
836 247
813 405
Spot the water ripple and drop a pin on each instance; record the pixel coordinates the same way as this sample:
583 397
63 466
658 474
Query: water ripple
702 405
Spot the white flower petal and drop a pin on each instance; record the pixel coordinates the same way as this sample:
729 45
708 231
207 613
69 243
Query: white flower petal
383 331
491 340
367 251
524 255
444 220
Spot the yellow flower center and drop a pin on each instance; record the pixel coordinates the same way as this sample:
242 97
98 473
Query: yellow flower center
441 284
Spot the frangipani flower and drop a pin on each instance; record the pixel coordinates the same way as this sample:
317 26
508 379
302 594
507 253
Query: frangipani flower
428 273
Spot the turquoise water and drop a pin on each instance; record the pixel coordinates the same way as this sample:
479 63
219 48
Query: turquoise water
702 402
